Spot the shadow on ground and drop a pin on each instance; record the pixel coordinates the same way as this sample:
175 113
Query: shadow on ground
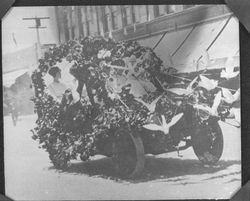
155 168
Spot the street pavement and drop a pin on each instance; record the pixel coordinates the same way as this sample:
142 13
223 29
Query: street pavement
29 174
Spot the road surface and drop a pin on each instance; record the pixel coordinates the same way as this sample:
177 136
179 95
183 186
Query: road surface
31 176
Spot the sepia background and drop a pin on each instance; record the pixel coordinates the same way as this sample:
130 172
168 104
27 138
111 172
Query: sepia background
179 34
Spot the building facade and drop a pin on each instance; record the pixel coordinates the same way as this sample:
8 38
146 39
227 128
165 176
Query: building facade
130 21
179 34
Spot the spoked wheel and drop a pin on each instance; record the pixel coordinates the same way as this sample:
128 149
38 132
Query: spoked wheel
128 154
208 143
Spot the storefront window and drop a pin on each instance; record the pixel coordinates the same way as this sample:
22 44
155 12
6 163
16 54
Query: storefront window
80 25
73 21
156 11
127 17
114 17
105 14
84 21
133 15
65 25
162 9
143 13
93 20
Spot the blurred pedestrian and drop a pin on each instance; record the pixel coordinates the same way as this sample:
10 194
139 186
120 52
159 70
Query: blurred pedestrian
14 111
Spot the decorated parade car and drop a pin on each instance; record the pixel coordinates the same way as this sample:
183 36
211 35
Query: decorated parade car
130 105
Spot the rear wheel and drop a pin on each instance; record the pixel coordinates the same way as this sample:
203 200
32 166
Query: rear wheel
207 143
128 154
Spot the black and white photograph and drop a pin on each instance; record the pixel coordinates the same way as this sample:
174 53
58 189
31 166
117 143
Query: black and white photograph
121 102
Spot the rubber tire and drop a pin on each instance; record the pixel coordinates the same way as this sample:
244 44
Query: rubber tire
205 148
128 154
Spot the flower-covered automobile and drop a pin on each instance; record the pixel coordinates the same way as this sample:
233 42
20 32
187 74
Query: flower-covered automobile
132 107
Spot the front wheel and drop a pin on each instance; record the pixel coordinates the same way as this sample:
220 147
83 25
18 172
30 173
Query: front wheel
128 154
207 142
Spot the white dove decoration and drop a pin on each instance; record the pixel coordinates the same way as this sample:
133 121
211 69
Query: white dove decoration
103 54
211 110
136 88
164 127
151 106
206 83
181 91
228 97
229 73
148 86
236 113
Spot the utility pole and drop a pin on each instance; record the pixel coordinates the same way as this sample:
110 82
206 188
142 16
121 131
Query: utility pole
37 27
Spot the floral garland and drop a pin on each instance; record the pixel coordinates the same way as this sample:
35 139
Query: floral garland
69 131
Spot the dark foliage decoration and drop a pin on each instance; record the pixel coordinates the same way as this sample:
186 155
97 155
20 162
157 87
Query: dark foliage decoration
68 130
